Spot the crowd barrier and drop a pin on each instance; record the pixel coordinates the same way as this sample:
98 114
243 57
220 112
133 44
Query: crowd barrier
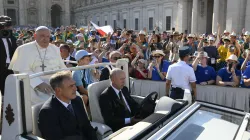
237 98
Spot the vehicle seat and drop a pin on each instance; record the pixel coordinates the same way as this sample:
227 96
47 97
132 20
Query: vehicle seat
167 105
35 114
95 91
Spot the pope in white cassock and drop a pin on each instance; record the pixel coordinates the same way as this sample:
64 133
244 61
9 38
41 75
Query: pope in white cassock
38 56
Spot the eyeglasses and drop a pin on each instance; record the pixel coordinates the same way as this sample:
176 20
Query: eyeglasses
156 56
116 58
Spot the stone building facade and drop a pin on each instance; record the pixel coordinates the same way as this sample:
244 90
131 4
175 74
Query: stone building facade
37 12
196 16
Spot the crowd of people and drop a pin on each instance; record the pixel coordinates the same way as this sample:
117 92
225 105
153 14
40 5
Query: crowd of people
179 59
151 53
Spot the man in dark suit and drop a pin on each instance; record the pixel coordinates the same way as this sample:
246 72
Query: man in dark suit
63 117
117 106
7 48
113 57
65 54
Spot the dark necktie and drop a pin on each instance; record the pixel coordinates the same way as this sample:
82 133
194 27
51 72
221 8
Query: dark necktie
124 104
70 108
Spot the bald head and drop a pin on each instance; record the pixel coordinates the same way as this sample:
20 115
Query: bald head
118 78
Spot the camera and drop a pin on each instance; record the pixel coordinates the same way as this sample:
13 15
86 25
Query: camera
94 40
103 39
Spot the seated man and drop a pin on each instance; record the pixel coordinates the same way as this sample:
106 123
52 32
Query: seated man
229 76
63 116
117 106
65 54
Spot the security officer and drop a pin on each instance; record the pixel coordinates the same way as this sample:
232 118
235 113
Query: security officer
180 75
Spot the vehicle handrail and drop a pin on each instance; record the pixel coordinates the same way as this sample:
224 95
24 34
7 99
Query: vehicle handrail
71 69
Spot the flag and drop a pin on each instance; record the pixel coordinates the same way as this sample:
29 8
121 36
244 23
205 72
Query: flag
104 30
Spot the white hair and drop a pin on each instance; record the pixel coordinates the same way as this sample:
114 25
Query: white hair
114 52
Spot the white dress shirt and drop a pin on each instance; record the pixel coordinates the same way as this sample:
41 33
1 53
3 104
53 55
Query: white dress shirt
127 120
67 59
64 104
6 49
181 74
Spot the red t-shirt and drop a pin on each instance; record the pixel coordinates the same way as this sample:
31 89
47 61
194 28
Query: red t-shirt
138 74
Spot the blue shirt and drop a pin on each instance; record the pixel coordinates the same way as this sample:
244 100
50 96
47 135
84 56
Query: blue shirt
163 68
105 60
225 76
78 77
245 75
204 74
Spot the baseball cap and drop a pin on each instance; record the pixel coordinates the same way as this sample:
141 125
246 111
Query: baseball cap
80 54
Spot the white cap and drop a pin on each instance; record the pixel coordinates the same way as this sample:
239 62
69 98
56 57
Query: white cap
225 31
69 41
232 57
204 54
79 35
142 32
191 35
247 33
211 38
233 34
158 52
41 28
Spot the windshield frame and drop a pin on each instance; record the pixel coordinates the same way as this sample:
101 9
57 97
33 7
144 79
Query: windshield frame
174 124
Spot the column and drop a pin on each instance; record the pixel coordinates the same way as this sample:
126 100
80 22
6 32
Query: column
194 16
1 8
22 10
233 11
247 18
182 16
215 15
42 13
67 13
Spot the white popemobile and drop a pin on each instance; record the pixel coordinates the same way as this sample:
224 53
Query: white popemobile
172 119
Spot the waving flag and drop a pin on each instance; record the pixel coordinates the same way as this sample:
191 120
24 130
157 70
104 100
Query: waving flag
104 30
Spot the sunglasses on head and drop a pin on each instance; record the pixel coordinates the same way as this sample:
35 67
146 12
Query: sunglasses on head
116 58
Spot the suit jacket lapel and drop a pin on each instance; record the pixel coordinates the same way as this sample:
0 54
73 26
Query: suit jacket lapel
2 49
114 96
64 112
77 113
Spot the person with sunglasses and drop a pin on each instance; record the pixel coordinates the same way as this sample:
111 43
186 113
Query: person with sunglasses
158 67
229 76
113 57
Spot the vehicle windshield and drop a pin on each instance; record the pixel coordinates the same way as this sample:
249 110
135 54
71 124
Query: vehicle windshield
207 124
